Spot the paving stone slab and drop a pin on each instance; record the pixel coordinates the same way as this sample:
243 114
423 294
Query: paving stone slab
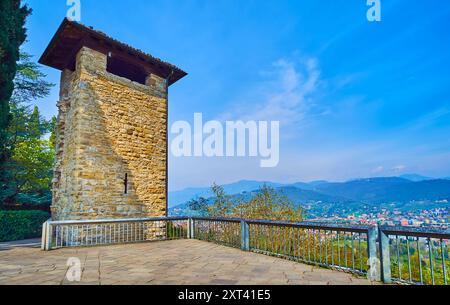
189 262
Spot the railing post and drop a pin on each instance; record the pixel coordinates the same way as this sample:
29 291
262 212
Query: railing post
374 262
48 237
44 236
245 238
191 228
385 258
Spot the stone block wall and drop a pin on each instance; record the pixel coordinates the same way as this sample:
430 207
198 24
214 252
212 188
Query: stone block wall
108 128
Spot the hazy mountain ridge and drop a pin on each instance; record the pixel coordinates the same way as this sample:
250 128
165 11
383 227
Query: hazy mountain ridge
181 197
369 191
365 190
416 178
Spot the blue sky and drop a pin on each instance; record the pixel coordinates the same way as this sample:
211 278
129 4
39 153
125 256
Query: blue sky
355 99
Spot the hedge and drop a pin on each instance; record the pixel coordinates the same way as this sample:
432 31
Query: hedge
19 225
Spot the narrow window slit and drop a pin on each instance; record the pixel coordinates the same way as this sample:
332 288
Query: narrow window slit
125 182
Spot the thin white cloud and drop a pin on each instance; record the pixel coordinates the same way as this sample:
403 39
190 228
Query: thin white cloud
398 168
429 119
286 94
378 170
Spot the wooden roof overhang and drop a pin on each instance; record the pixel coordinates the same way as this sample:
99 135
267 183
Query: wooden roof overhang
72 36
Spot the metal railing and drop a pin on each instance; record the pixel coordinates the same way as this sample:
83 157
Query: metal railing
340 247
224 231
415 256
410 256
325 245
63 234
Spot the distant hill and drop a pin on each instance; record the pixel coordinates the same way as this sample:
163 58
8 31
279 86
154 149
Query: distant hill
431 190
372 191
180 197
298 195
364 190
415 177
309 185
381 190
318 182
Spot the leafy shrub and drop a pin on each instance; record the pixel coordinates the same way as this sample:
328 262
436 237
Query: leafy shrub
266 203
18 225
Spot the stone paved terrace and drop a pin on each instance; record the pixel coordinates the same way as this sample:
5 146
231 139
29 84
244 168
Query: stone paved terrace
167 262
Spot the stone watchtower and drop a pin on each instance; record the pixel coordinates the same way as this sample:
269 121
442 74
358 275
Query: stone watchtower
111 155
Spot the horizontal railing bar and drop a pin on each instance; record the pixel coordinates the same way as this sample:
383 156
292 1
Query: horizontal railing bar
415 232
222 219
306 225
313 225
101 221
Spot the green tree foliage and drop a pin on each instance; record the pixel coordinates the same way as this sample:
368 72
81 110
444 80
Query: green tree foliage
30 158
52 138
199 205
222 202
34 159
29 83
266 204
17 225
12 35
269 204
